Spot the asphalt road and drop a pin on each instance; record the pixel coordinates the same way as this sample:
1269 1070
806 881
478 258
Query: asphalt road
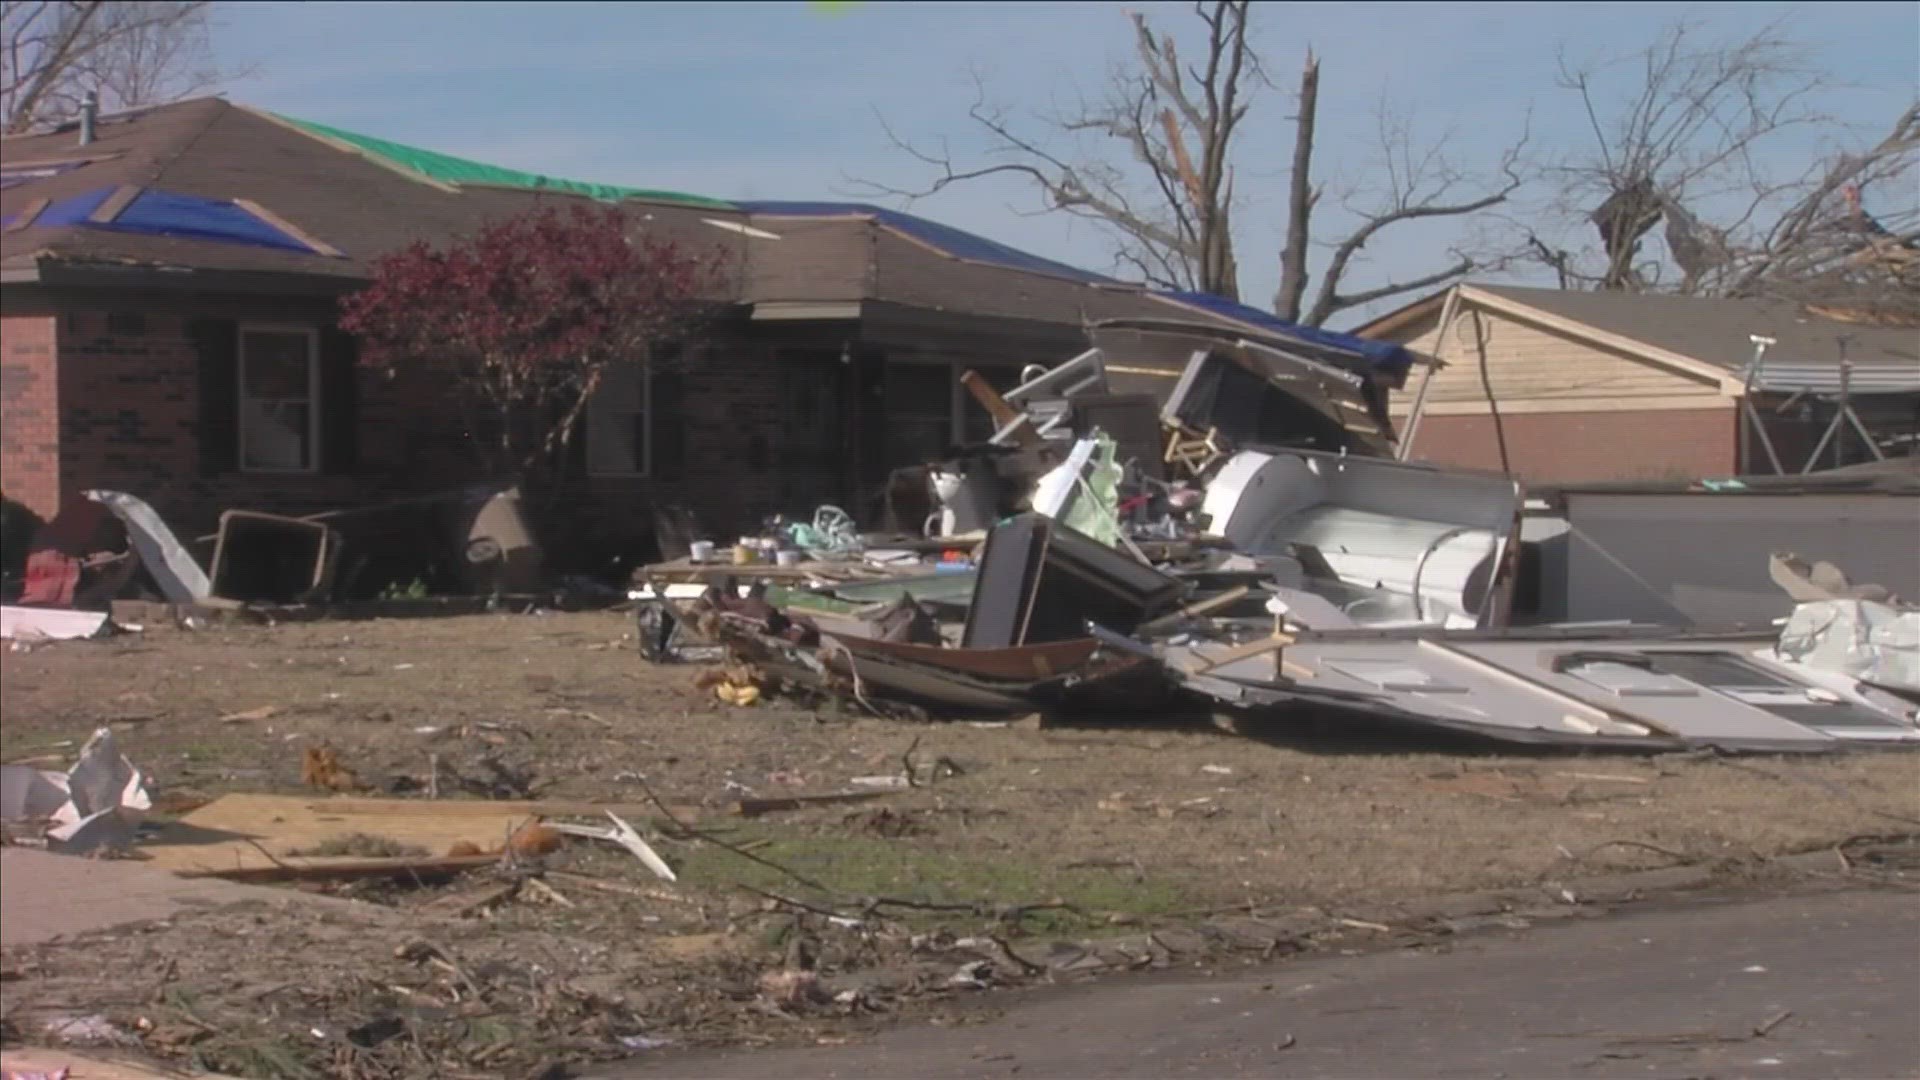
1666 992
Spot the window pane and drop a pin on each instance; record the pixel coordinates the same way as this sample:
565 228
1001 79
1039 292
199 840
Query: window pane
276 365
617 422
919 412
276 435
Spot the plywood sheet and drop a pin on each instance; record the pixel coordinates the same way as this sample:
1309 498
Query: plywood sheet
81 1067
231 832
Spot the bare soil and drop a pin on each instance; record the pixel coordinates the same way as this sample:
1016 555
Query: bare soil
1029 834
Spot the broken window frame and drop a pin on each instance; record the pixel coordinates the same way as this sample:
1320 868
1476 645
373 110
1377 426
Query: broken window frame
245 428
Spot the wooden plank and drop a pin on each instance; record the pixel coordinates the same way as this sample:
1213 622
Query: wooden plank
243 833
268 871
318 245
1244 651
1201 607
1003 414
122 197
83 1067
27 214
756 807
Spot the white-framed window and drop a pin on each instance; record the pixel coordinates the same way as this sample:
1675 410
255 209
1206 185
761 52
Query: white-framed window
618 422
279 399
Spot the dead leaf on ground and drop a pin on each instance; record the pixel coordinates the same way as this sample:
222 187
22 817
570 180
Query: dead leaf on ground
320 768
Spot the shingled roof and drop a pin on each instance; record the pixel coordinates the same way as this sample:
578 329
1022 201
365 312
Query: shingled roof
1710 330
318 205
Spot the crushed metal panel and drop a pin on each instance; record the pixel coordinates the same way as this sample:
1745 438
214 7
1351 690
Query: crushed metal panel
180 578
1405 677
1585 670
1420 678
1393 544
1750 683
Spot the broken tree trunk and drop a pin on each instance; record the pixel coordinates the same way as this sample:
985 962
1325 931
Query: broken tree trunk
1300 199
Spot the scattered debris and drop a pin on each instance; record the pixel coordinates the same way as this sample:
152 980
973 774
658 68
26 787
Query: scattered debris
320 768
899 782
51 624
94 806
623 834
756 807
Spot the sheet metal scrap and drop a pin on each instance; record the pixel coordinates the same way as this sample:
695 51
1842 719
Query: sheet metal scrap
1647 693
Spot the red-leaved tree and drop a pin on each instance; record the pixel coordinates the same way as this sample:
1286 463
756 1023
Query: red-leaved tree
525 317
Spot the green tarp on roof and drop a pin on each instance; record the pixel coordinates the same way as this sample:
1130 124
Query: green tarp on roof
452 170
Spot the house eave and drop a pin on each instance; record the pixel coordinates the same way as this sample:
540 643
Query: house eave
93 275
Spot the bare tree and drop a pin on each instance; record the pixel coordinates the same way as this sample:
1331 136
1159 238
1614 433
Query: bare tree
1686 133
1678 192
1168 198
1413 182
53 53
1825 248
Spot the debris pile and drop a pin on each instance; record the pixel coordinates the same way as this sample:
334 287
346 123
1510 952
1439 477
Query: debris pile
1240 543
94 807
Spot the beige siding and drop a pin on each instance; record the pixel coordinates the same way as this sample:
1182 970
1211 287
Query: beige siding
1538 370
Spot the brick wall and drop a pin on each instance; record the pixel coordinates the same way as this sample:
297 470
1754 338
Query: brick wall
1595 446
128 407
130 415
29 413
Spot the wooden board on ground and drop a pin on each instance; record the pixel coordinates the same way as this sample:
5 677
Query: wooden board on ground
29 1059
228 835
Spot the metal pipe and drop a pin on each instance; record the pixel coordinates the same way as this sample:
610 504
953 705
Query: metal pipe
89 115
1745 463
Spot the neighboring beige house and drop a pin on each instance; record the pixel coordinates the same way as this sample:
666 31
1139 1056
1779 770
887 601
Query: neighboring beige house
1588 386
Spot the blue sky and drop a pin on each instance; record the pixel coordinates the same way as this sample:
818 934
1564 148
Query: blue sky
776 100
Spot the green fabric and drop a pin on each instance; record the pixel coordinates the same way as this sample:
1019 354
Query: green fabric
781 596
950 588
1095 508
452 170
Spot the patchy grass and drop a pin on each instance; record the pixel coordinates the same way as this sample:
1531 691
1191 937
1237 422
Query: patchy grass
866 869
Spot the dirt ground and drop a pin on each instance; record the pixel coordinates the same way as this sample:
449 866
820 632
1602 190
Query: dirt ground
1017 832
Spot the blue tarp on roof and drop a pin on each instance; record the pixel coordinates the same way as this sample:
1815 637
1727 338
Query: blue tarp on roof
1385 356
166 213
955 242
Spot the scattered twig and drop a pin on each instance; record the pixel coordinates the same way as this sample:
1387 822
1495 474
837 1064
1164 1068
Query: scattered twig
791 902
255 844
1766 1026
1027 965
549 892
1655 848
1362 924
906 762
722 844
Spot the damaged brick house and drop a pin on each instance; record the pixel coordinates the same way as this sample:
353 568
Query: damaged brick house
170 285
